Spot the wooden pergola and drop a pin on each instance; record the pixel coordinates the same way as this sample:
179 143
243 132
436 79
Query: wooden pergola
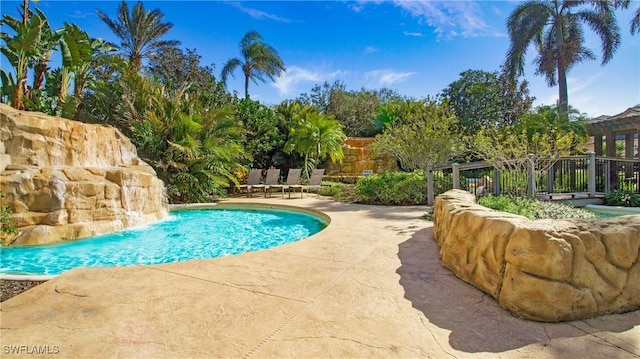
626 124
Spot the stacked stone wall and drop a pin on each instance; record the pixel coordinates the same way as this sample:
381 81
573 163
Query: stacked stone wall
544 270
358 158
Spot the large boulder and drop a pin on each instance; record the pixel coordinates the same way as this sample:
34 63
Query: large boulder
541 270
66 179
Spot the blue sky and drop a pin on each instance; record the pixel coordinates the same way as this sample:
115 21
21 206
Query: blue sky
414 47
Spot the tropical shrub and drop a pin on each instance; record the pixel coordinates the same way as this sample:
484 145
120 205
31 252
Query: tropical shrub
262 138
7 228
392 188
340 192
533 209
400 188
315 137
624 198
195 151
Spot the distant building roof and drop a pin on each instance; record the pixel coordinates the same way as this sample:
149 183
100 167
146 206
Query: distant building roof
627 121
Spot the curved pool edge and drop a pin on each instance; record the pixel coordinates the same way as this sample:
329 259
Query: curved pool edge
196 206
28 277
248 205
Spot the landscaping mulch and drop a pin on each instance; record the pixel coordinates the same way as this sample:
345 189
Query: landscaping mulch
11 288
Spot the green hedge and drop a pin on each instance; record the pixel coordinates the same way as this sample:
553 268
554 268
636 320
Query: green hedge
399 188
534 209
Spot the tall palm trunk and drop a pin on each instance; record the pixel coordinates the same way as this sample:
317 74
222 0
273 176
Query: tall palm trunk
563 93
135 63
246 86
25 15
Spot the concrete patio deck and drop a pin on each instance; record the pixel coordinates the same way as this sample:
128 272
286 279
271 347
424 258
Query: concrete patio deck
369 286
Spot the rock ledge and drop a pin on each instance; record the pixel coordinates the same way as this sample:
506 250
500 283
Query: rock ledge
67 179
545 270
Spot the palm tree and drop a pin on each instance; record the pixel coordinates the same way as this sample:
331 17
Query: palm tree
554 27
316 136
635 21
139 32
195 150
260 60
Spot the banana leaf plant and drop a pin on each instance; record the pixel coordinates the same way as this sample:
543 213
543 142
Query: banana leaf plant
80 54
20 49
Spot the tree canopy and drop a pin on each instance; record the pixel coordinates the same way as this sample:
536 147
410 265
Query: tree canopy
555 28
420 133
258 61
483 99
140 32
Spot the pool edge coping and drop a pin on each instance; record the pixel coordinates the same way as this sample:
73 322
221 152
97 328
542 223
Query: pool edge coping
614 209
244 205
195 206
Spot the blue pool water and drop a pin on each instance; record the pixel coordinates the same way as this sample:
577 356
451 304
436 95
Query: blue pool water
611 211
184 235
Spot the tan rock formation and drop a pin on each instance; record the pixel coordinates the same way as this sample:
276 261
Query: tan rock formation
358 158
67 179
541 270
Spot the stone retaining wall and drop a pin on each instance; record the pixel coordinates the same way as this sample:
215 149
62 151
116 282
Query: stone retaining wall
66 179
544 270
358 158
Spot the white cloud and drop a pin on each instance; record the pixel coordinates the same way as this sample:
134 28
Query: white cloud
287 83
575 85
415 34
370 49
80 15
449 18
259 14
386 77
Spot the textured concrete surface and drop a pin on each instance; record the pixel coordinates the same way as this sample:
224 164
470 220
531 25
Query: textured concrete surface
369 286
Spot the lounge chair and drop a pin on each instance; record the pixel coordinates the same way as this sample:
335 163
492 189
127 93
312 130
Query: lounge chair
315 181
293 181
273 175
252 181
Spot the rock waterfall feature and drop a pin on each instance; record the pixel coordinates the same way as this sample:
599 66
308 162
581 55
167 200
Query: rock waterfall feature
544 270
65 179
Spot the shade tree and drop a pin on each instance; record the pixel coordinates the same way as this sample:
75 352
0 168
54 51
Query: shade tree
422 133
484 99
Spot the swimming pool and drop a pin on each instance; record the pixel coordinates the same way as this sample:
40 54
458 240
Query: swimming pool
611 211
183 235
